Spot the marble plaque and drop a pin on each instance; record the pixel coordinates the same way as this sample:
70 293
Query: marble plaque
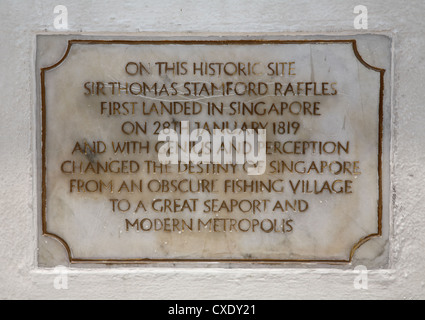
106 105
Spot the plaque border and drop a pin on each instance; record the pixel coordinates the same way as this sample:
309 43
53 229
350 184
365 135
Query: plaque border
74 260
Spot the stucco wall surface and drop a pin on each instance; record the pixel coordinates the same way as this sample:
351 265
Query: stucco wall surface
22 21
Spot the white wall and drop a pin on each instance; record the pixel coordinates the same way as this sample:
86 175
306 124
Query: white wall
21 21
